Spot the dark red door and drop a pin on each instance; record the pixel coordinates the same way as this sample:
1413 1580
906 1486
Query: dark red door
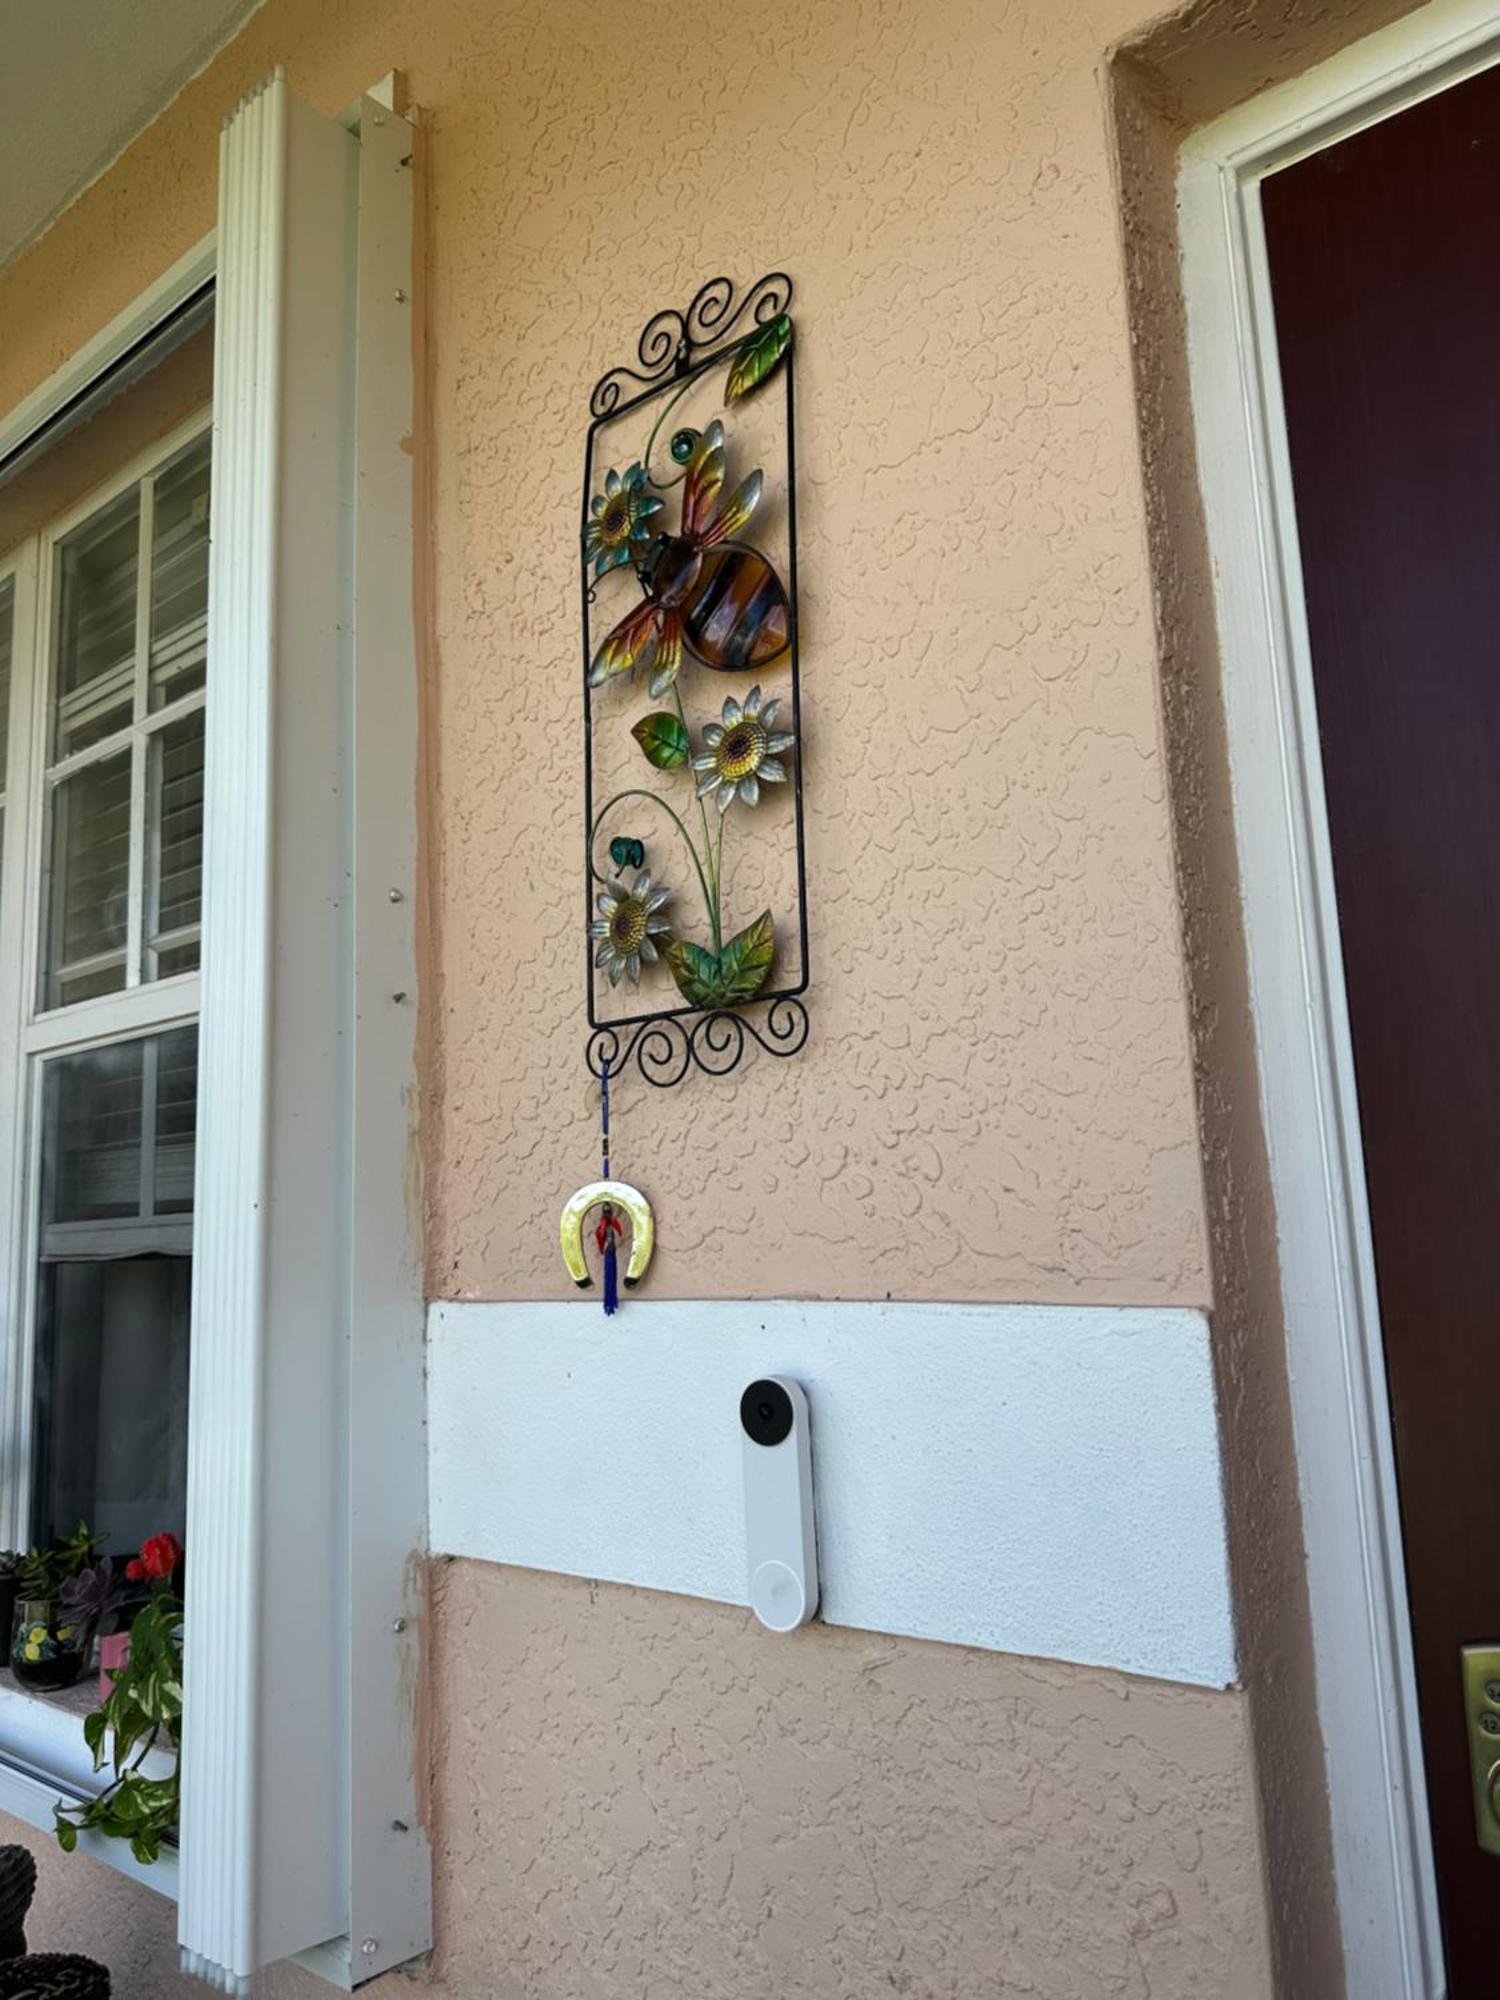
1385 263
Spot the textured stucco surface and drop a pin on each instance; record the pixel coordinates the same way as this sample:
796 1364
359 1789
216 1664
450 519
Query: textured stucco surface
647 1798
997 1100
656 1797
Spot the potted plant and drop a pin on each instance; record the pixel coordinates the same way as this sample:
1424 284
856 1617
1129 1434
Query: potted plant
143 1710
49 1645
101 1595
160 1561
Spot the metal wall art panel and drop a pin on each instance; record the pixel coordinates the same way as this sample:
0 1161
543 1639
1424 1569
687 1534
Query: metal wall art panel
696 919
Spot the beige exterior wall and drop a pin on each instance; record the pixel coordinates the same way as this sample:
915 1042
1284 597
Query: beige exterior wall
997 1102
639 1794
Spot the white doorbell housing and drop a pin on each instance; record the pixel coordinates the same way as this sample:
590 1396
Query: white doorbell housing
779 1534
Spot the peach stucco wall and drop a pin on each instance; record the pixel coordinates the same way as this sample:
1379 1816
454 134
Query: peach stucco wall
638 1795
649 1798
997 1100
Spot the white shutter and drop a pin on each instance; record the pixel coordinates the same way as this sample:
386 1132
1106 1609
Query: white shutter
301 1528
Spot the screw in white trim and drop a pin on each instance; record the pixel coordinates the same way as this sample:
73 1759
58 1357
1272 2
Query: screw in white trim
370 1947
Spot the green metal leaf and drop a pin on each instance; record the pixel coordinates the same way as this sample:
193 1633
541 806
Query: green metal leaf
696 972
738 972
745 962
759 358
663 738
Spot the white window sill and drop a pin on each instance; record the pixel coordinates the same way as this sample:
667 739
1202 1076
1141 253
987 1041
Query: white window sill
44 1763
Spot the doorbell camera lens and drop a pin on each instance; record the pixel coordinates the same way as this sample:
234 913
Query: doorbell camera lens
766 1413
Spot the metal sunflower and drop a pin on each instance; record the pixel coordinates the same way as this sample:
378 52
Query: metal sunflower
621 517
629 922
742 753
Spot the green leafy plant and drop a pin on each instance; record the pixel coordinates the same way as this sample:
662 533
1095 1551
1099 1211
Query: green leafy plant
44 1571
143 1711
97 1593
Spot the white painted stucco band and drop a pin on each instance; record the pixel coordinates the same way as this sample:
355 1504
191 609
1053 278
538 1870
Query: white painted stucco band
1031 1479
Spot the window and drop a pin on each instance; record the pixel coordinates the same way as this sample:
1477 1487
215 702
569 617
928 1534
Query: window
113 1287
103 678
125 766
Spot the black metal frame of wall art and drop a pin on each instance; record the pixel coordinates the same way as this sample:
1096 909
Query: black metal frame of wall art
665 1044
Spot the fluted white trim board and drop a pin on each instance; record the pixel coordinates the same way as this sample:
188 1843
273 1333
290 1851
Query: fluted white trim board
1032 1479
306 1486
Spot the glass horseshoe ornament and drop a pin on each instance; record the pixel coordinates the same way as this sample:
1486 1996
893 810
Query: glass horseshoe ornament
607 1196
696 923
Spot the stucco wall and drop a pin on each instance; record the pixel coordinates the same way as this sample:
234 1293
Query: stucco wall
642 1795
998 1101
847 1815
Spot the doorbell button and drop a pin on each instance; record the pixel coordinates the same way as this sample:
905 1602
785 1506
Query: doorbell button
781 1545
777 1597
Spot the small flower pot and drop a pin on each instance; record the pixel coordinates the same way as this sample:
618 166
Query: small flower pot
114 1657
49 1645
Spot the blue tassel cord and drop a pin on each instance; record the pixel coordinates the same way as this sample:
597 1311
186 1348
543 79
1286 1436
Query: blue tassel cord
610 1228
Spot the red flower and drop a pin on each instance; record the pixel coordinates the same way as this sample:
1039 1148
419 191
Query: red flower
133 1569
159 1557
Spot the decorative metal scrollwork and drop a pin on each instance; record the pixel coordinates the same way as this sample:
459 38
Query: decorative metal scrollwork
672 342
688 528
665 1047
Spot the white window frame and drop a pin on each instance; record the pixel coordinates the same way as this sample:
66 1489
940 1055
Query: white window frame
1367 1705
302 1826
144 722
31 1034
21 566
43 1760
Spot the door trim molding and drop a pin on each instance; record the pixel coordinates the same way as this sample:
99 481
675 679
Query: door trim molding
1361 1636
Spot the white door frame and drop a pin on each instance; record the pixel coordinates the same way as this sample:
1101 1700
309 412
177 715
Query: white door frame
1366 1689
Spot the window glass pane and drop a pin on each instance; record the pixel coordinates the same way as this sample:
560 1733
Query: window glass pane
7 622
175 867
96 584
179 576
114 1290
90 882
111 1398
91 1153
176 1115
